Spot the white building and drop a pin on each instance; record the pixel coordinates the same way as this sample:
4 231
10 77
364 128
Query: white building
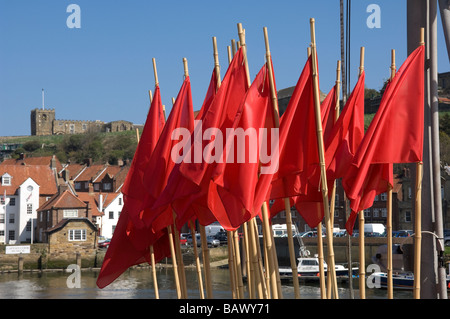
23 189
111 207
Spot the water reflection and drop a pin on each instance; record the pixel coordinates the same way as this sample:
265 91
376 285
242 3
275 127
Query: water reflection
138 284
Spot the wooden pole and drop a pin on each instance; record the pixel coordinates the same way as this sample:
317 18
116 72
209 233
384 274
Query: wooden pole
174 261
270 245
152 253
179 258
197 261
362 261
206 263
155 280
362 252
418 215
390 286
333 191
155 72
331 270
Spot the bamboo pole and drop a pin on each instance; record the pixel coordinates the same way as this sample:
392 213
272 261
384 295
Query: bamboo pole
362 252
390 286
269 242
362 261
174 262
418 231
418 215
333 191
206 263
331 270
197 261
253 235
179 258
322 284
239 281
155 72
155 279
152 252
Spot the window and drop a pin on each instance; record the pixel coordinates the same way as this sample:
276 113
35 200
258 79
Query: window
12 235
120 201
11 218
77 234
6 180
2 218
407 216
28 226
96 187
367 212
12 201
77 185
71 128
383 196
111 215
29 208
384 212
107 186
2 233
68 213
375 212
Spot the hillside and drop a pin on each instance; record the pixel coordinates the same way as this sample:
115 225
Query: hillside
100 147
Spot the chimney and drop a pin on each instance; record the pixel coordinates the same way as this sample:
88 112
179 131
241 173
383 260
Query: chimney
91 188
53 162
66 175
100 202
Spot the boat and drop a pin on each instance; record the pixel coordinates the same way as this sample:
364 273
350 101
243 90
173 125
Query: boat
309 266
399 281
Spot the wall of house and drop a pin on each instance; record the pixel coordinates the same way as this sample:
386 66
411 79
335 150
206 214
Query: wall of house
27 197
60 245
108 224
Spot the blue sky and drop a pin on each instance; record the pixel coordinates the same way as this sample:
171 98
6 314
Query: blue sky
103 70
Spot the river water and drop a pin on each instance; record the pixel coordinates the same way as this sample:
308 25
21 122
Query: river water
138 284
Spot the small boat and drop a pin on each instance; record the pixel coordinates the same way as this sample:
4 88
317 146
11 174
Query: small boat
309 266
399 281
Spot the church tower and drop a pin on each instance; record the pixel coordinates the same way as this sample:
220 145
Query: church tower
42 121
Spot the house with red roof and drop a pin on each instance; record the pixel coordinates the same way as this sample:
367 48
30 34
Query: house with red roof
23 188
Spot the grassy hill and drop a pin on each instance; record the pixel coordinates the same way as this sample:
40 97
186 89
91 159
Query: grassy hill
101 147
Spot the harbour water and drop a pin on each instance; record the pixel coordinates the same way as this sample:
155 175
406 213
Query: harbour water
138 284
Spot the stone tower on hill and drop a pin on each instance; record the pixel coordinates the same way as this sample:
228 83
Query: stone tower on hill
43 122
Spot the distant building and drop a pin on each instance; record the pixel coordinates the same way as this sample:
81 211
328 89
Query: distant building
44 122
23 188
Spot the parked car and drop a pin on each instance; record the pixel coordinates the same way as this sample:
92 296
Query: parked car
212 242
447 240
183 240
222 237
104 244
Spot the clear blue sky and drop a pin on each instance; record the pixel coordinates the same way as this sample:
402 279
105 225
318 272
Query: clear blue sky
103 70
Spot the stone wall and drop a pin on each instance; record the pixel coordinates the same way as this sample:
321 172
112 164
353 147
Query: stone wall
60 246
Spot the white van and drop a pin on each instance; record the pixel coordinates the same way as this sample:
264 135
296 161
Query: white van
377 229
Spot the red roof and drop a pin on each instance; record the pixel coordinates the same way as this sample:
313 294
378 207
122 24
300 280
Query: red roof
42 175
42 160
63 200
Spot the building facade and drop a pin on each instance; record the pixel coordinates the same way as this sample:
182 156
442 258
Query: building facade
44 122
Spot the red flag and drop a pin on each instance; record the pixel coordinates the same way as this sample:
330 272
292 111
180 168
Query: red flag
346 135
328 112
394 136
188 184
122 253
298 151
235 179
133 190
176 132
